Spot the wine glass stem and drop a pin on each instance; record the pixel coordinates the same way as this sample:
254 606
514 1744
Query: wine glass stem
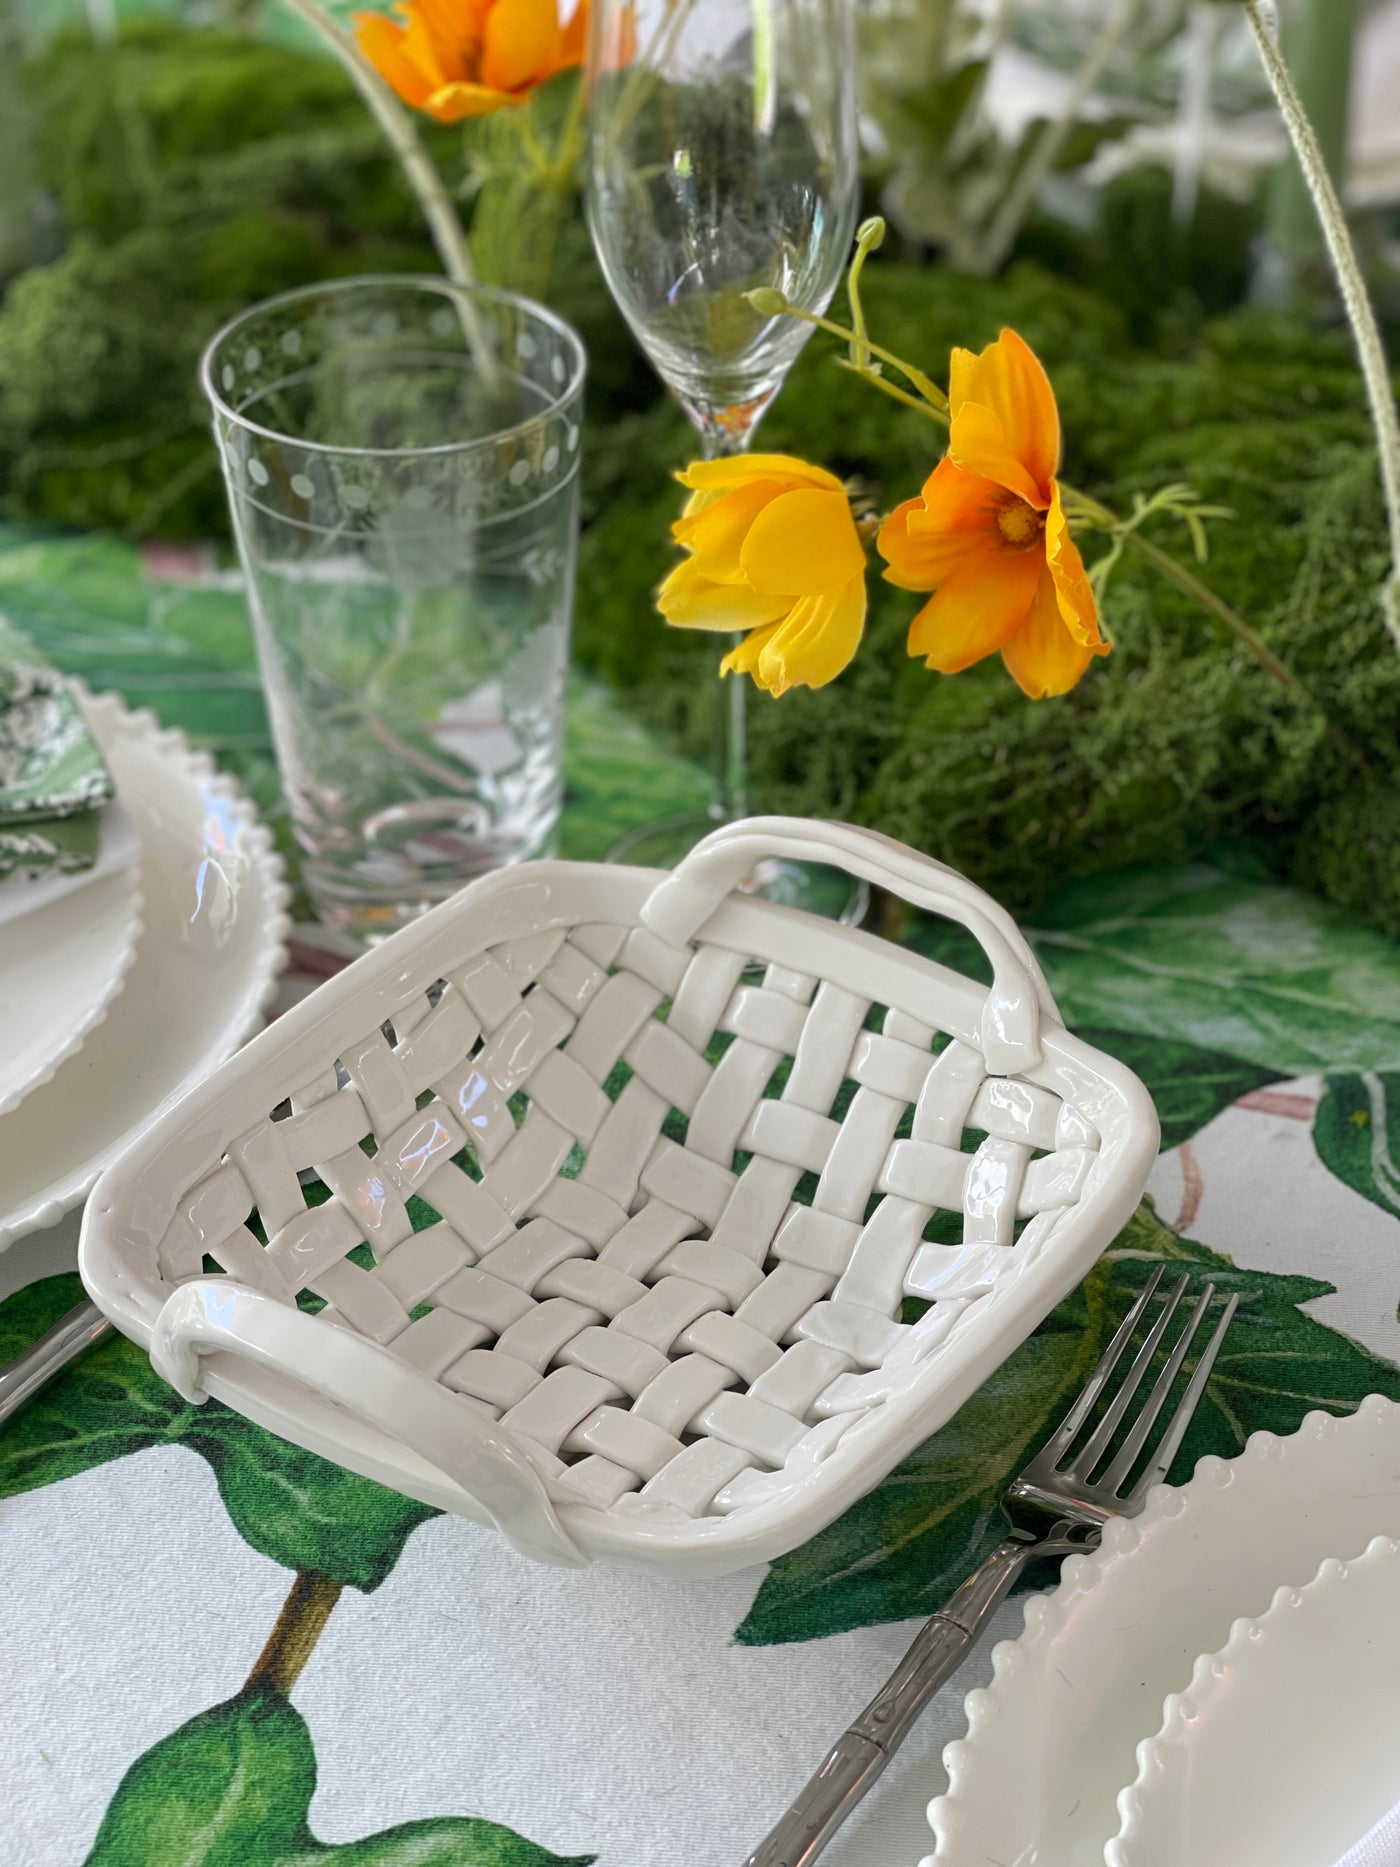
731 717
731 752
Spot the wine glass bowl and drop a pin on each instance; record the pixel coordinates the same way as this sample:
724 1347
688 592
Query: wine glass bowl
723 157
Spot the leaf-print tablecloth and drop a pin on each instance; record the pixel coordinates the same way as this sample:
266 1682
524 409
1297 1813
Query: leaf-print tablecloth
222 1652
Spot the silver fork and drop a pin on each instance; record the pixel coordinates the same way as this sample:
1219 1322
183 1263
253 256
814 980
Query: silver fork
1059 1504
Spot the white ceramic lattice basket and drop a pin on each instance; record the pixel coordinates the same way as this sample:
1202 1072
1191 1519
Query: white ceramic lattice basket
656 1311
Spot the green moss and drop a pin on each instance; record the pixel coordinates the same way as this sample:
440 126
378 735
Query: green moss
197 172
119 129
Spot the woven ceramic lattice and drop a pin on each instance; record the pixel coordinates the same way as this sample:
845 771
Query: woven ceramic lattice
675 1202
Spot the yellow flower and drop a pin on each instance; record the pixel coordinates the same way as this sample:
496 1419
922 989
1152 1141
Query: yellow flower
988 534
466 58
773 549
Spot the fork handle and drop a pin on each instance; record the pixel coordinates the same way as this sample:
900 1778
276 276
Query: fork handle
860 1754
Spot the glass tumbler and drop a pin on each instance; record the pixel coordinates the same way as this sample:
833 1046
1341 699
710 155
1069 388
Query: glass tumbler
401 457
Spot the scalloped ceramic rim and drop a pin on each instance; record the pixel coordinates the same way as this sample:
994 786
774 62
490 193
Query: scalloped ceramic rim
1046 1732
262 954
70 1040
1300 1636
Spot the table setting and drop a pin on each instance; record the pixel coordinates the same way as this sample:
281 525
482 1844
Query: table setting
558 1303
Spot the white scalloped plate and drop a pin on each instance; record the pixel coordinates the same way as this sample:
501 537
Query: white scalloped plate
1284 1750
206 965
1052 1739
60 969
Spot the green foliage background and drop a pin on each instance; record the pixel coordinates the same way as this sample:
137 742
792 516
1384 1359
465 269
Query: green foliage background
195 172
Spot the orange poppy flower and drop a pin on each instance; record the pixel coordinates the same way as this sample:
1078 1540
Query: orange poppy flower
988 534
466 58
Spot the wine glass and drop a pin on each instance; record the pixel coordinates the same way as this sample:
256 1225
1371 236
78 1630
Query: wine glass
723 156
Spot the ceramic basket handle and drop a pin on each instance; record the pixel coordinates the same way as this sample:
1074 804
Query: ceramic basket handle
217 1314
1019 997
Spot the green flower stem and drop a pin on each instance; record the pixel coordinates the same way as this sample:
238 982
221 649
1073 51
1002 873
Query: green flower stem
929 390
1359 309
569 147
397 125
293 1638
869 239
886 387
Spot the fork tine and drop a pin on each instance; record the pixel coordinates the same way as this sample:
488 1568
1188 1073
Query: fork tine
1128 1452
1094 1386
1097 1446
1190 1400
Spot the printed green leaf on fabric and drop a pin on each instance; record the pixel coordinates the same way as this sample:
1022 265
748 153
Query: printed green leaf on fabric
233 1787
298 1509
1246 968
1357 1134
1189 1085
901 1549
186 650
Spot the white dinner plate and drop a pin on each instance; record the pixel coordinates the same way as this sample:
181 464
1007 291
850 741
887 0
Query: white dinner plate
1053 1738
1284 1750
206 964
60 969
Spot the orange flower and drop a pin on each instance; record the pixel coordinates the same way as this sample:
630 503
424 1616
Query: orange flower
466 58
988 534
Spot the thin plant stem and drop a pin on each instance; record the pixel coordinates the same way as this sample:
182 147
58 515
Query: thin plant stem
293 1638
1016 202
1359 309
419 171
418 167
869 239
568 148
886 387
926 388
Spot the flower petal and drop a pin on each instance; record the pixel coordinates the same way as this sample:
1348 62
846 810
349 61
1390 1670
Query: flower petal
811 646
1008 380
520 45
454 103
804 543
978 443
923 540
1072 587
743 659
382 42
574 43
1042 656
716 531
976 609
738 469
915 562
690 600
432 46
